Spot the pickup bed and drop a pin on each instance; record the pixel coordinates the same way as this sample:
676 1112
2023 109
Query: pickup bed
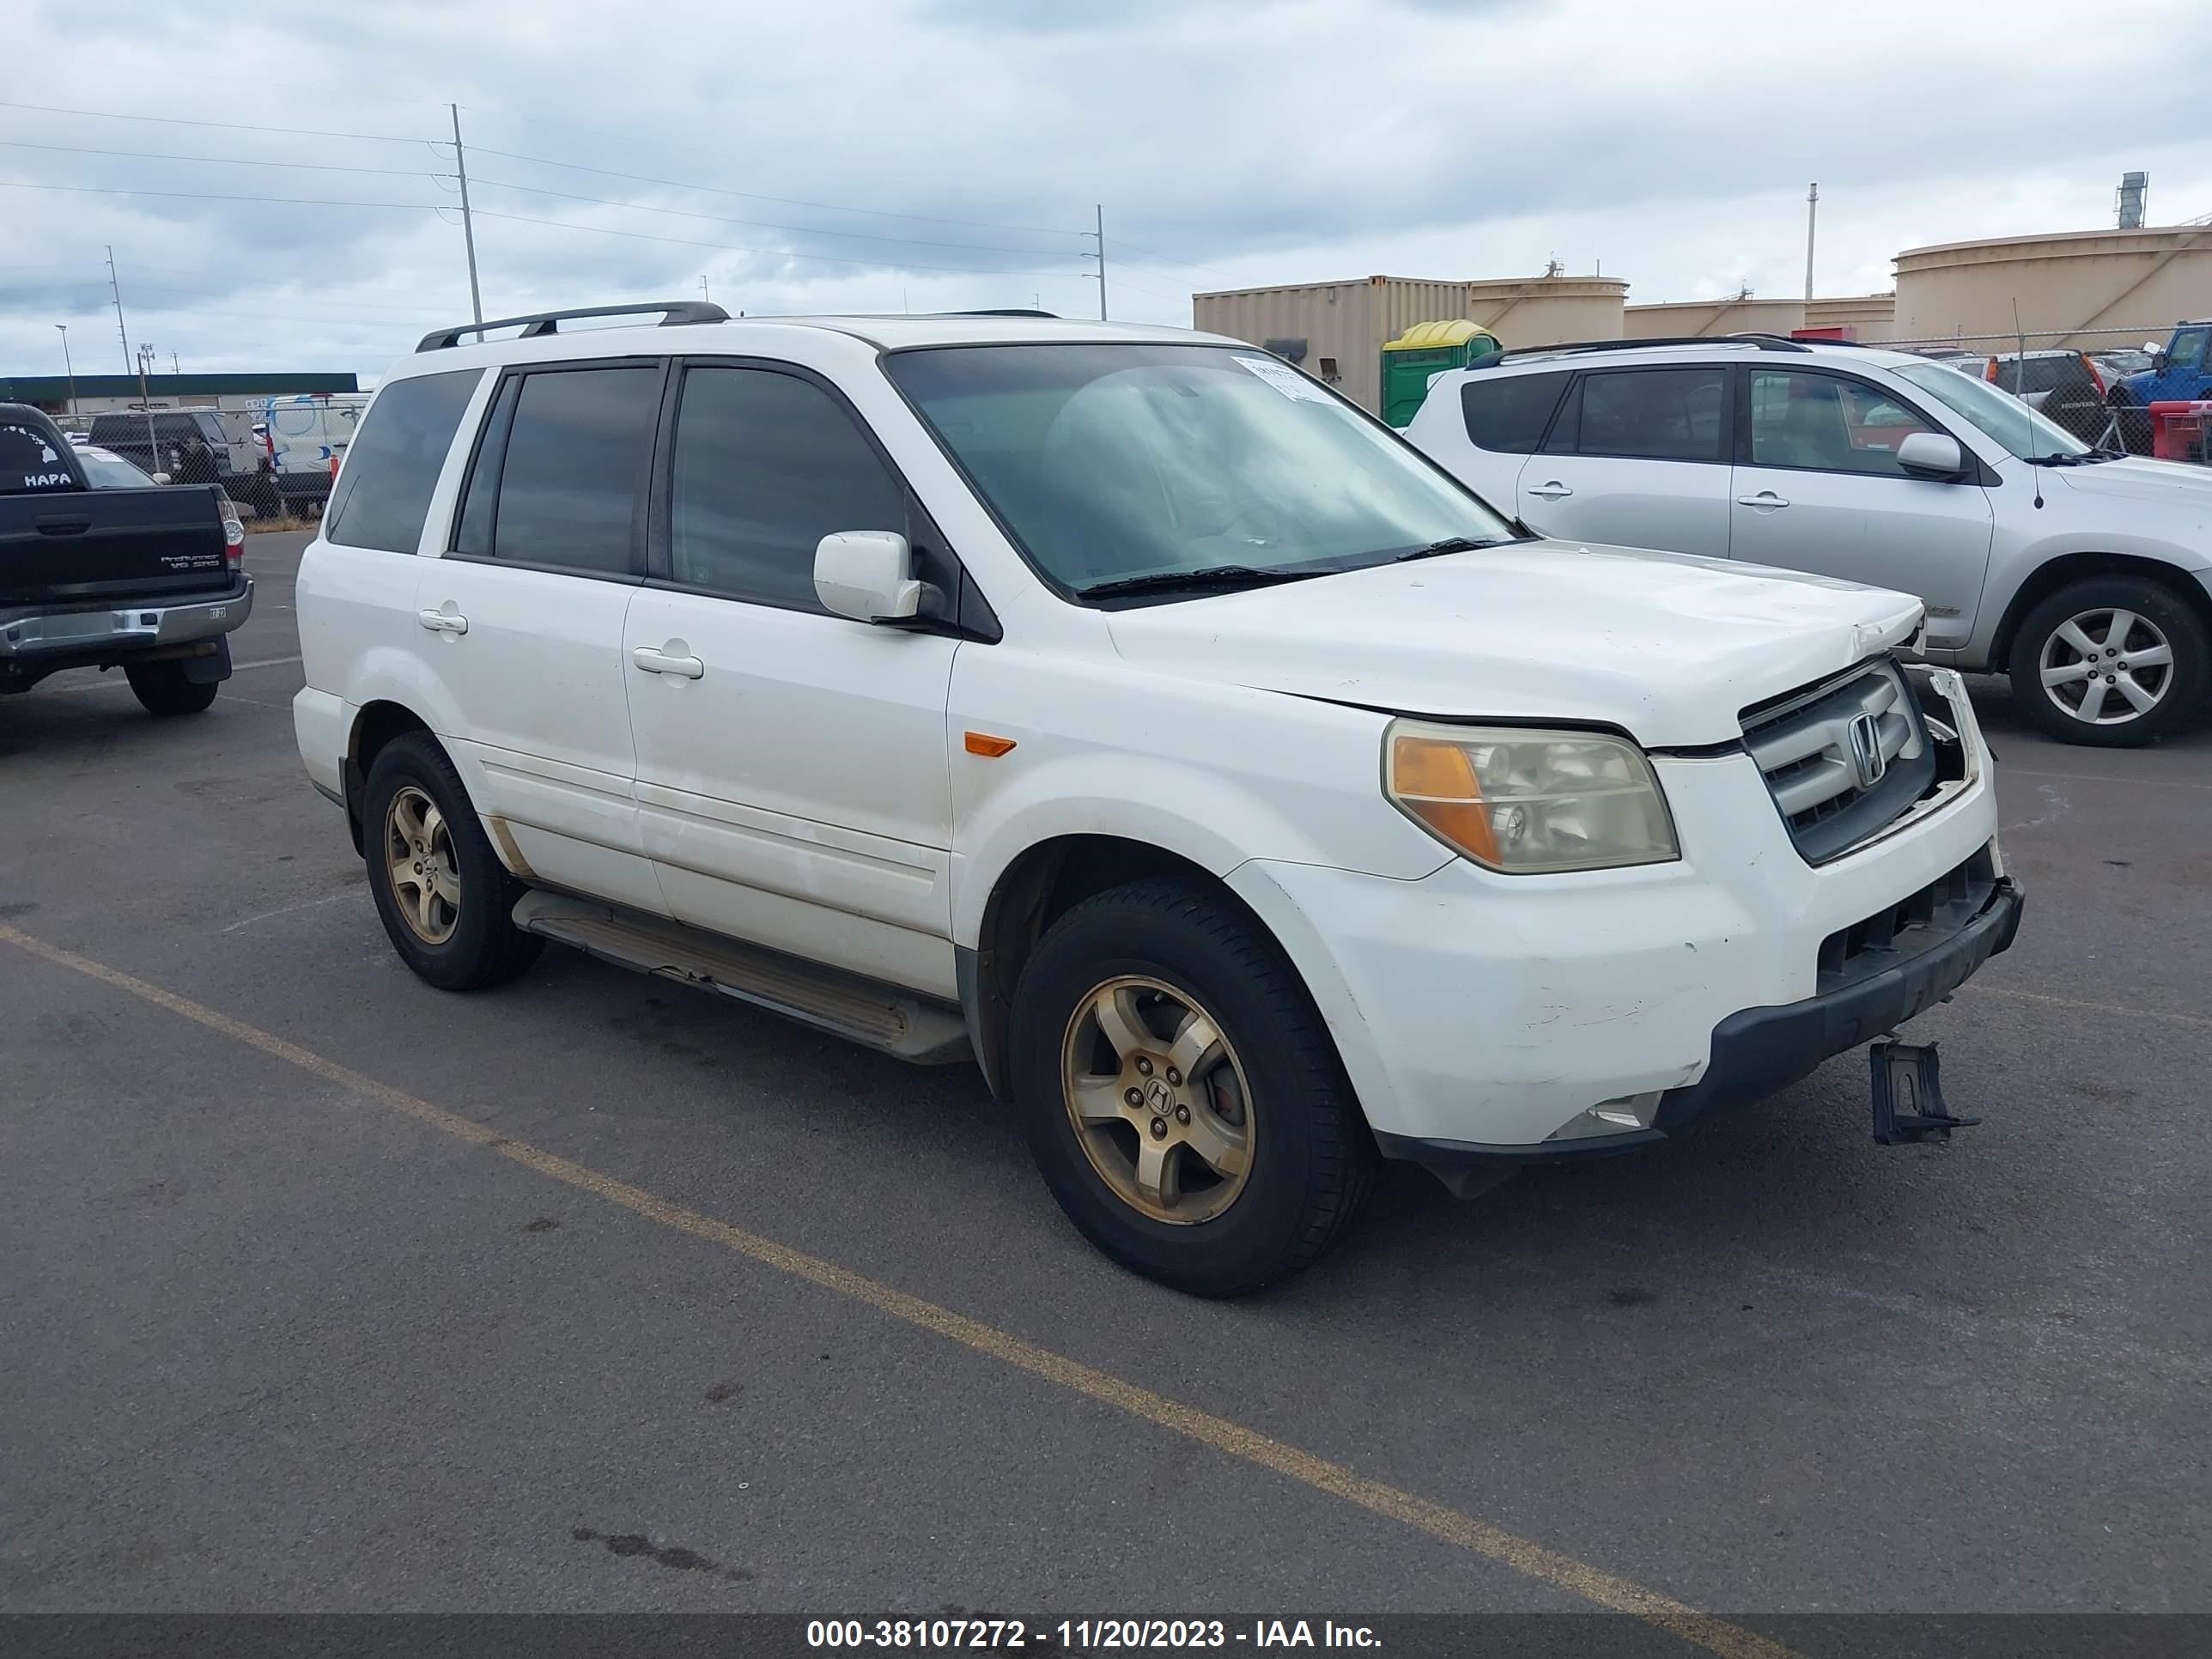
150 580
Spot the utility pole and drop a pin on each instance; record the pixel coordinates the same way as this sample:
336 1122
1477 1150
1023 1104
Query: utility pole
468 221
146 403
115 288
1812 214
1099 236
703 294
173 366
68 367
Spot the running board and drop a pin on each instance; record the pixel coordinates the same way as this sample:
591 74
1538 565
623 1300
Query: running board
862 1010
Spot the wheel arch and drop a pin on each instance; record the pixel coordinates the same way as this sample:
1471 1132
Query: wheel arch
2050 577
374 727
1039 885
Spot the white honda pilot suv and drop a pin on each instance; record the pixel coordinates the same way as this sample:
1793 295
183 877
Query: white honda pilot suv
1122 708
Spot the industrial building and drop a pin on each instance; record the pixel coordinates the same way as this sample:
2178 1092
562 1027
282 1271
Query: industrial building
2068 286
102 394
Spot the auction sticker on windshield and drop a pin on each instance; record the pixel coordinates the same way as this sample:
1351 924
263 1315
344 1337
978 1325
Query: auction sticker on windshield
1285 379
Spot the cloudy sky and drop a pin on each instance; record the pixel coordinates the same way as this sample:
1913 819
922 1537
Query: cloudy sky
891 154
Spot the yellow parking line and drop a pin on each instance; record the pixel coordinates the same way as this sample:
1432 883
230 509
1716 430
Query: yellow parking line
1232 1439
2089 1007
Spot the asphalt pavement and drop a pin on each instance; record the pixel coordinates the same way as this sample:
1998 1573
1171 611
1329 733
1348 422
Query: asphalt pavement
321 1290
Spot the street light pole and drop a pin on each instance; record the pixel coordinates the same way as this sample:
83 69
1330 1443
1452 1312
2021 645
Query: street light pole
69 369
1812 218
146 403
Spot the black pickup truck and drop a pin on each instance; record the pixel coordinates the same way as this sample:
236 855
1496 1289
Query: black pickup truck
150 580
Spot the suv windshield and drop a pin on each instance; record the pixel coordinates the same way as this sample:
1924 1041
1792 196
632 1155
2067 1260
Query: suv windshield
1122 461
2028 434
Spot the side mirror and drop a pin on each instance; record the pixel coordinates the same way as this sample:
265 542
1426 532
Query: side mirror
1931 455
2160 362
867 574
161 477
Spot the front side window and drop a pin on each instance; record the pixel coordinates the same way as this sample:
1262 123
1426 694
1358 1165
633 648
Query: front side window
1654 414
574 461
1507 415
1119 461
2188 351
1824 424
764 466
1998 414
383 492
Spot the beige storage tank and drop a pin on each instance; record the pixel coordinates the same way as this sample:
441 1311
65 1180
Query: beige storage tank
2065 284
1870 317
1333 330
1697 319
1527 311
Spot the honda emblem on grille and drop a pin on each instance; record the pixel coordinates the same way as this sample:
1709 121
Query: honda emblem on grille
1867 758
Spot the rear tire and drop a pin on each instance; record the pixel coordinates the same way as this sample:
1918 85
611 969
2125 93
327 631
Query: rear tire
163 689
1269 1102
444 898
2161 654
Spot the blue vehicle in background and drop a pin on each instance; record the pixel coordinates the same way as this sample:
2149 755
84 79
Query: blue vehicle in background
2178 372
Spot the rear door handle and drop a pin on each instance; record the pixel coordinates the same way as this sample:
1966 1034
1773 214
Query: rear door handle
1766 501
443 622
657 662
1550 492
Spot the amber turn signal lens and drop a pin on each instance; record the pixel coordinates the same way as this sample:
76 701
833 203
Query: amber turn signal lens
1435 781
990 748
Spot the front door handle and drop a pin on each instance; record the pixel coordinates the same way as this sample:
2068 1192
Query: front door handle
1766 501
1550 492
443 622
658 662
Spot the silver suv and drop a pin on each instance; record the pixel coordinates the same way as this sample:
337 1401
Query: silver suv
2084 573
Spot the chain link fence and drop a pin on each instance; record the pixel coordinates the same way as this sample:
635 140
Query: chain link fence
276 458
2092 382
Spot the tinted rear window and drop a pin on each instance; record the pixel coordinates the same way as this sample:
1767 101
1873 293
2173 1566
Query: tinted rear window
574 466
1654 414
384 488
1509 414
31 458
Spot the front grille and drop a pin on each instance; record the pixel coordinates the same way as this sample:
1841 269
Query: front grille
1919 921
1808 746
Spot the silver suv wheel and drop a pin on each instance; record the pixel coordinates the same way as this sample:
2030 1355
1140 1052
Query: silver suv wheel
2106 667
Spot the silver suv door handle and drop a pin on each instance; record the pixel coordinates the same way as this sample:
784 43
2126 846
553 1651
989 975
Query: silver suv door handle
655 662
443 622
1550 492
1766 501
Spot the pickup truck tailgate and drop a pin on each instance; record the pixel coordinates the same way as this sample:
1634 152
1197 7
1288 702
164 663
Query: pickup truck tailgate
71 547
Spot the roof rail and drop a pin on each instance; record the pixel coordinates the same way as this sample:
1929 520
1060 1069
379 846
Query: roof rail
538 325
1009 310
1776 341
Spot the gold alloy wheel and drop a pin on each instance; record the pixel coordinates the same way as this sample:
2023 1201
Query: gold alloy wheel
1158 1100
426 872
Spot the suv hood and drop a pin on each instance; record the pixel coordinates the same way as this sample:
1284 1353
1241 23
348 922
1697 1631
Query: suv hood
1667 647
2169 484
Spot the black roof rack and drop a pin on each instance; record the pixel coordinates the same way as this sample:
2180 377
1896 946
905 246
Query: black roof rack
1011 310
1778 342
673 312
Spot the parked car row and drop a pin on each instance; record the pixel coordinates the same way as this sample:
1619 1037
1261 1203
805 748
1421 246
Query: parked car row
1125 710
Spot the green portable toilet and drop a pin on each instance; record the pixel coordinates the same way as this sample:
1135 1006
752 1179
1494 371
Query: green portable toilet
1423 352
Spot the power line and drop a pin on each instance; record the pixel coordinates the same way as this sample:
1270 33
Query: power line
788 201
231 126
754 224
204 196
1162 259
771 252
220 161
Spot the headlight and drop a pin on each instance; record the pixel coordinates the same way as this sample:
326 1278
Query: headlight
1527 802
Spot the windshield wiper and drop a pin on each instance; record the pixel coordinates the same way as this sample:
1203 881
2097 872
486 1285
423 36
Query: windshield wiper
1221 576
2057 458
1451 545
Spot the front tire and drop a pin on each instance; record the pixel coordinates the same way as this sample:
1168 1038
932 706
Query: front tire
2113 662
163 689
1183 1100
445 899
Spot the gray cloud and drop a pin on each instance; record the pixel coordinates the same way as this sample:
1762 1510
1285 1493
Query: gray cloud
1231 143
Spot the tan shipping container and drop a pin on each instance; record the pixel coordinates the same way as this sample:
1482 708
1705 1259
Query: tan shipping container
1333 330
